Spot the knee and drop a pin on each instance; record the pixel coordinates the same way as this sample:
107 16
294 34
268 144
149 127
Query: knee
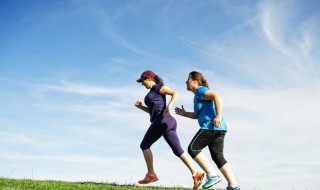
193 153
219 160
178 153
143 146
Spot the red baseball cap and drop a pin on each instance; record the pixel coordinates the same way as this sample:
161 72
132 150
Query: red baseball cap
146 74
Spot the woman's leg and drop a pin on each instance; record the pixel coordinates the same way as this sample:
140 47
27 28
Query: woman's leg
149 160
150 176
196 175
173 141
205 164
228 174
199 141
186 159
152 135
216 150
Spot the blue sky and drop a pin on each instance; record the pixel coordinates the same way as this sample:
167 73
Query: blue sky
67 79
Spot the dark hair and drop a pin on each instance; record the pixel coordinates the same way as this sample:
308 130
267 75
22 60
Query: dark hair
195 75
157 79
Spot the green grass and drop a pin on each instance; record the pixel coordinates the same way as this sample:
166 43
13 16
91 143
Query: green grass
27 184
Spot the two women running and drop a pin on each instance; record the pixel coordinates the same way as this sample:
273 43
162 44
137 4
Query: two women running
207 109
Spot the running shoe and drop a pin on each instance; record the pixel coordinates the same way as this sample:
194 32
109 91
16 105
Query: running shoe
148 179
231 188
211 180
197 180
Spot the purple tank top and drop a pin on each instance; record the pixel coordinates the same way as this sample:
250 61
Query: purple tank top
155 102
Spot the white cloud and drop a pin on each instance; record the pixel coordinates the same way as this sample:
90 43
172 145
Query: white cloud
15 138
272 126
81 89
64 158
294 37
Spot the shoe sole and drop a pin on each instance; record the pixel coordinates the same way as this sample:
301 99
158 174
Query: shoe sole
212 184
151 181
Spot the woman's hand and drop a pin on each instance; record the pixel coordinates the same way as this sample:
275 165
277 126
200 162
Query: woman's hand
166 111
217 121
138 104
168 91
180 111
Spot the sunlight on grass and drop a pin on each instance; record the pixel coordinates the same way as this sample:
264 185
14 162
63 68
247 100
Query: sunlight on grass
27 184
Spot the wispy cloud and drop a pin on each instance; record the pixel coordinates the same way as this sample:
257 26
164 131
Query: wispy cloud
64 158
82 89
272 119
298 45
16 138
263 50
273 24
108 100
277 19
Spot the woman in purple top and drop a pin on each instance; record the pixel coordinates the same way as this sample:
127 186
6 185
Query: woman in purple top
162 124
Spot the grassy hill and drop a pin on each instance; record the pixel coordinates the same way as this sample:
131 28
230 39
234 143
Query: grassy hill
27 184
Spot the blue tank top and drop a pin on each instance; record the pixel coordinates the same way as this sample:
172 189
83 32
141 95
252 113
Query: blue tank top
206 111
155 102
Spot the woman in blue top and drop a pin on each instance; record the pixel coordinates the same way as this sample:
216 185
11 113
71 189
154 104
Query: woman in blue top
162 124
207 109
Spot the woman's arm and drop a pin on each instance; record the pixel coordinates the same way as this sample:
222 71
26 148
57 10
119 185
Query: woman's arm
139 105
210 95
166 90
181 111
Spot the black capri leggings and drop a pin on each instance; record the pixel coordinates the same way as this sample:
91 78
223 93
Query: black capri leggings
214 140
